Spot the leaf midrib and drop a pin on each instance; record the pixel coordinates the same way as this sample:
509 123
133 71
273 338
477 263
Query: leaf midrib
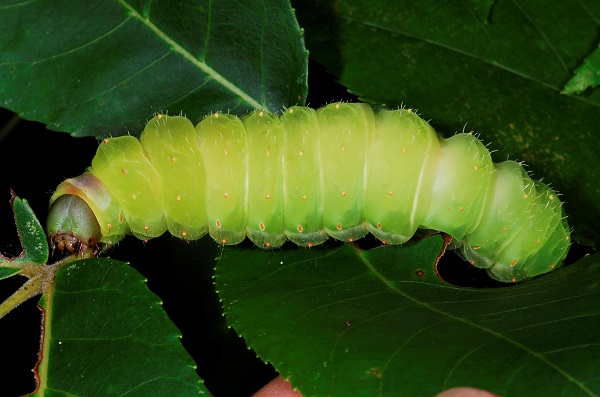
177 48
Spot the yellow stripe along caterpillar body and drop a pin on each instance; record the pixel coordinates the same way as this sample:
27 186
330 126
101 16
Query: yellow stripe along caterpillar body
343 170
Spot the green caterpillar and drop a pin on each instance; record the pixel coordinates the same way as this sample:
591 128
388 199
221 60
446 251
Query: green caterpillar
343 171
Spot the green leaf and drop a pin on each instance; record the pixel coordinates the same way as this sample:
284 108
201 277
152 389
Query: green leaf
30 262
106 334
31 233
32 237
502 78
107 67
586 76
354 322
6 272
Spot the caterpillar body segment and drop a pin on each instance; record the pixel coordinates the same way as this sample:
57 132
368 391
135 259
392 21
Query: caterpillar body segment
340 171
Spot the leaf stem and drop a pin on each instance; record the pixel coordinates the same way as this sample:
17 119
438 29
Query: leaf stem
31 288
40 278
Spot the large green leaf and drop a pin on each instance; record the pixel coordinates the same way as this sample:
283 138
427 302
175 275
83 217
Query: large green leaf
106 334
364 323
498 70
104 68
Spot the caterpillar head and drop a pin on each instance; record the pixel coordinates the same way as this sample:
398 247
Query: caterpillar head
72 227
81 217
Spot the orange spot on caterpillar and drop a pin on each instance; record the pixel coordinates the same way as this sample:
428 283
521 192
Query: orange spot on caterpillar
461 209
218 223
224 241
477 247
513 263
342 149
552 266
303 197
309 245
225 152
146 227
178 198
350 239
268 196
225 195
339 226
537 241
343 194
184 234
472 262
514 280
300 153
261 114
268 243
475 168
124 171
379 226
120 217
525 196
384 242
390 194
109 226
504 228
261 226
300 228
173 159
134 197
105 140
291 110
337 105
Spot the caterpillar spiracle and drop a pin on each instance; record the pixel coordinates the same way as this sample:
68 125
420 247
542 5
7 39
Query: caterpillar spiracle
340 171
